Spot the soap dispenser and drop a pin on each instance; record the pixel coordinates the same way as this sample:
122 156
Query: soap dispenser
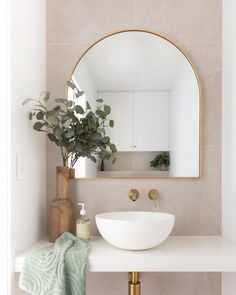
83 224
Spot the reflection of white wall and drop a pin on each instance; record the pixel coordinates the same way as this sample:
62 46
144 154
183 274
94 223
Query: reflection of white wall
151 120
83 78
141 119
123 62
184 124
229 135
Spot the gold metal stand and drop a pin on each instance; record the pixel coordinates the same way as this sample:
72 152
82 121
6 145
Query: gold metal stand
134 283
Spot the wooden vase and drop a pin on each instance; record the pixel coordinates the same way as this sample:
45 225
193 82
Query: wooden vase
62 213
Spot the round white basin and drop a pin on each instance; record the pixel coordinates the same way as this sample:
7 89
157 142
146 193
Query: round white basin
134 230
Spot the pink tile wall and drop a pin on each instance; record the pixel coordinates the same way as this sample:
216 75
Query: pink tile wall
73 25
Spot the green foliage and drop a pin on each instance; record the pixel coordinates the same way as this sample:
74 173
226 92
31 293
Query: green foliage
161 159
77 131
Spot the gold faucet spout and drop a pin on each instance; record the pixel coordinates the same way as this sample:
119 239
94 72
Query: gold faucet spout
133 195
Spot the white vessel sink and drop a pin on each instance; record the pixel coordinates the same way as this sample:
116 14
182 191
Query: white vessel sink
135 230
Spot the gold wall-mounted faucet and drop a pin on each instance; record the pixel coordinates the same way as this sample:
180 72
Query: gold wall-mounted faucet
133 194
154 195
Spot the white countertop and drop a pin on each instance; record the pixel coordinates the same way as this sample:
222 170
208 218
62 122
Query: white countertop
176 254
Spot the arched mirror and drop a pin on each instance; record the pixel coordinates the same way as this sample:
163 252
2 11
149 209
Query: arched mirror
155 99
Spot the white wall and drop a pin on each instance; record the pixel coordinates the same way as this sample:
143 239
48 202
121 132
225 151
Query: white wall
27 80
229 134
184 124
5 123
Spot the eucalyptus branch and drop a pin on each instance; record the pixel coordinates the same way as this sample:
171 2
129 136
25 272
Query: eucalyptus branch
77 131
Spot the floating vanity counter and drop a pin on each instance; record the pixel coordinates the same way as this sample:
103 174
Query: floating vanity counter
176 254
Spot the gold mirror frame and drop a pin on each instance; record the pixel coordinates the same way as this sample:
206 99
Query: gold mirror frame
200 103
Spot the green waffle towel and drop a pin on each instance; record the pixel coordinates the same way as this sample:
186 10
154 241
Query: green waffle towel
59 269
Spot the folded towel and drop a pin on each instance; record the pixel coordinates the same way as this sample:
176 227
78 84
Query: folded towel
59 269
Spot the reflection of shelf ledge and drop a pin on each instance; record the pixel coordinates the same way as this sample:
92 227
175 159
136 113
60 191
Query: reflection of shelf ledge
133 173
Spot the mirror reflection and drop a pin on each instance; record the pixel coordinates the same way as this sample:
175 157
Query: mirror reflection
154 96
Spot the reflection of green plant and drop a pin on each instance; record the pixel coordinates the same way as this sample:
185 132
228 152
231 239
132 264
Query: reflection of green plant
161 159
77 131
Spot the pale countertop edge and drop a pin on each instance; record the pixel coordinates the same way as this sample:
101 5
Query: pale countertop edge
176 254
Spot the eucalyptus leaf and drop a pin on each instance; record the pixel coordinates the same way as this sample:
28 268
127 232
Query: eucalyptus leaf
27 100
76 136
88 105
78 93
71 84
79 109
40 115
91 157
58 131
61 100
102 146
102 154
37 126
46 96
107 109
55 111
101 130
111 123
70 112
31 114
113 148
108 156
78 148
96 136
69 134
52 137
105 139
71 146
69 103
64 118
101 113
67 123
53 120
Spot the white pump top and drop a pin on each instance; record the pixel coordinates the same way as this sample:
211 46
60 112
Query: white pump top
82 211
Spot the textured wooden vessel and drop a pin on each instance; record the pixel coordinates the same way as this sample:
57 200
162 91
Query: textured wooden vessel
62 213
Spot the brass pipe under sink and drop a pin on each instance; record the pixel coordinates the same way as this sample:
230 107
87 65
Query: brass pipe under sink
134 283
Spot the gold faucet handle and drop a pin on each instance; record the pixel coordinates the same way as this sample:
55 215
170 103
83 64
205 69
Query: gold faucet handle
133 194
153 195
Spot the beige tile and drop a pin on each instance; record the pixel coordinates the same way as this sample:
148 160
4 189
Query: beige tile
85 21
196 27
206 58
211 120
183 21
61 60
156 283
106 283
181 283
102 196
195 202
